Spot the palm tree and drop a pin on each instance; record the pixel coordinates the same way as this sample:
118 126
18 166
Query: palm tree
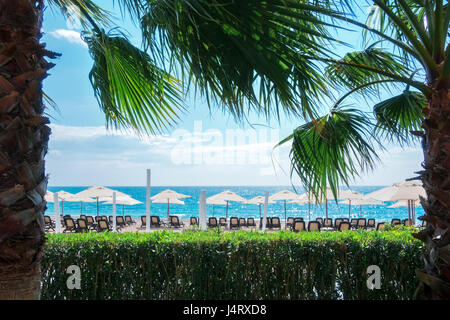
236 56
407 45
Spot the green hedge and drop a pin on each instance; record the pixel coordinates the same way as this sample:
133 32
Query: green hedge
236 265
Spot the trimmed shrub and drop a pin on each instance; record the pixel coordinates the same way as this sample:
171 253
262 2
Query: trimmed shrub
235 265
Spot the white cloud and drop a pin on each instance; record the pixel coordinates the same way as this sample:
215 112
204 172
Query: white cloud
69 35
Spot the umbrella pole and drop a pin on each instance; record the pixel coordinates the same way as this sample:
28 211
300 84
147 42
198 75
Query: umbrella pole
123 210
62 207
349 207
259 211
167 207
285 219
326 208
97 206
227 210
213 210
409 210
309 210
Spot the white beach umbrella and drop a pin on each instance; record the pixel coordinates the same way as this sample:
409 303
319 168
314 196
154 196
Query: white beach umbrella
125 201
284 195
304 199
351 196
404 203
100 193
259 200
65 196
169 196
409 191
213 201
227 196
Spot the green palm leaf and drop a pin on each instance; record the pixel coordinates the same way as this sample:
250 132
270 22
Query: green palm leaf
132 92
243 54
332 149
398 116
87 11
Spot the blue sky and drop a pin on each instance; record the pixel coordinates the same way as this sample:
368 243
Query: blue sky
82 152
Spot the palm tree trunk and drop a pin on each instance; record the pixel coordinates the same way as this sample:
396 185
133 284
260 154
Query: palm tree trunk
23 145
435 277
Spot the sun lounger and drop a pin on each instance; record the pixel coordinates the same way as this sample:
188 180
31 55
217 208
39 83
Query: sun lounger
361 223
337 222
82 225
49 224
242 223
344 226
212 222
276 223
156 222
120 222
175 222
129 220
354 223
396 222
193 221
251 222
380 226
223 222
314 226
371 224
103 226
70 225
299 226
234 223
290 222
320 220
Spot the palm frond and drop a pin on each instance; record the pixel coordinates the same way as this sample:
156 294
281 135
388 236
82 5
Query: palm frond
243 55
87 11
332 150
348 73
399 115
132 92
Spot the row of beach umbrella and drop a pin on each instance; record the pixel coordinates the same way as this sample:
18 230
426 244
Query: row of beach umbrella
406 194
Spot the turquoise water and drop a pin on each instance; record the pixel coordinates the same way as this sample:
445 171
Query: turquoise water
380 213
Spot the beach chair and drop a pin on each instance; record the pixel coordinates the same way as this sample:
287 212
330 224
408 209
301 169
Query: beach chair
276 223
320 220
175 222
371 224
290 222
49 224
242 223
344 226
83 216
354 223
396 222
129 220
380 226
193 221
110 219
337 222
90 222
234 223
143 222
361 223
314 226
298 226
82 225
156 222
345 219
269 222
251 222
212 222
298 219
103 226
70 225
120 222
223 222
327 223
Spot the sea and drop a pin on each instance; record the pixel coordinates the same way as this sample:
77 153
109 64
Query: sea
191 206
